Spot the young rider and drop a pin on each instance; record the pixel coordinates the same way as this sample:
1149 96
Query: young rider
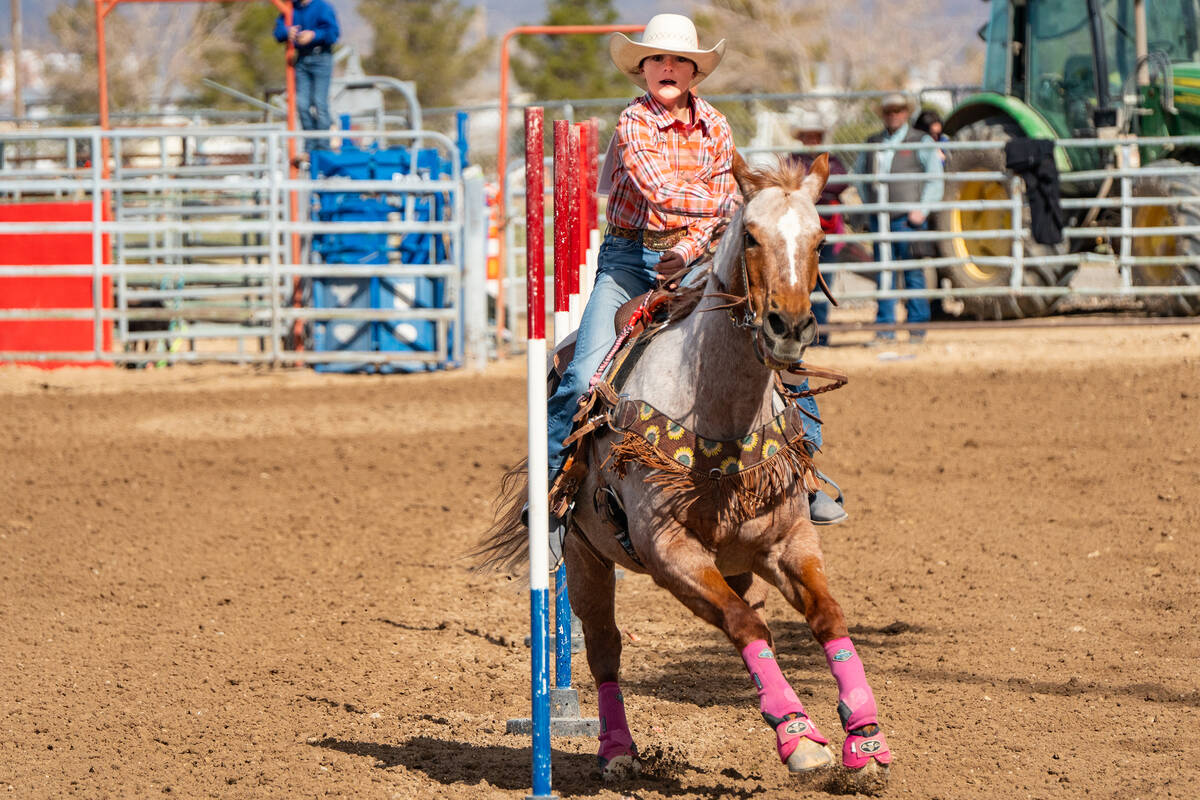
671 175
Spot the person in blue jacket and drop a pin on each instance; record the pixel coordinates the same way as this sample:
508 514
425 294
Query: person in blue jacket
314 31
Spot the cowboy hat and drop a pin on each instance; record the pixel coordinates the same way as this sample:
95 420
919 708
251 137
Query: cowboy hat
664 34
806 122
897 100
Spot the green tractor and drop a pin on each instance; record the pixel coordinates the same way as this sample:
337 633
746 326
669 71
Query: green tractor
1064 69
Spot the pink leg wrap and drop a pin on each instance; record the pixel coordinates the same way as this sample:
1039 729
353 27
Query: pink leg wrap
778 703
856 701
615 738
856 707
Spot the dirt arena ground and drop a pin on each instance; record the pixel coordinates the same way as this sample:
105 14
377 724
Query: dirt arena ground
238 583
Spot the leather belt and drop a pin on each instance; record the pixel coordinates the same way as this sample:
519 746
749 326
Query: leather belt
653 240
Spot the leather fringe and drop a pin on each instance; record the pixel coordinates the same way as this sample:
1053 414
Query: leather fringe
737 497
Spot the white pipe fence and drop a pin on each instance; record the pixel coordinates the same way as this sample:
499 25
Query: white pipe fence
1125 267
203 270
202 251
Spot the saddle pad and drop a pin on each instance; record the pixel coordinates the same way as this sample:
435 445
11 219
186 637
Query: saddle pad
706 456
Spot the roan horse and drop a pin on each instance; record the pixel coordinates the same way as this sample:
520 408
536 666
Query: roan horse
708 535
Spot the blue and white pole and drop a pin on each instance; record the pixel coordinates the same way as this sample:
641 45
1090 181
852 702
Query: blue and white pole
539 513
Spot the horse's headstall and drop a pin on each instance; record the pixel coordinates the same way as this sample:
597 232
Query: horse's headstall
749 316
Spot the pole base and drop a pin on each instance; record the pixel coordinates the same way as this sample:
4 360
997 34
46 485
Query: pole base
564 718
559 726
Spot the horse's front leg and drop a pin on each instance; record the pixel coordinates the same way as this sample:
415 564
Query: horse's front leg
681 565
591 585
797 567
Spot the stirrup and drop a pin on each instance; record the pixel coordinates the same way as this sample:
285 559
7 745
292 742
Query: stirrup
826 510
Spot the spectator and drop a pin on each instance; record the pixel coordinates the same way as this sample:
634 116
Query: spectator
917 194
810 131
930 122
314 32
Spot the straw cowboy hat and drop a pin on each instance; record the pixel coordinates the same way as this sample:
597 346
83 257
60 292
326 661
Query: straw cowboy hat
665 34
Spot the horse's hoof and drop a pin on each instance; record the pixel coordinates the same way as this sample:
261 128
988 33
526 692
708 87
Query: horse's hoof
619 768
862 750
801 746
871 779
809 756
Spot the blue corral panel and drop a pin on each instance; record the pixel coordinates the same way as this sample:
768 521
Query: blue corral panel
371 248
342 334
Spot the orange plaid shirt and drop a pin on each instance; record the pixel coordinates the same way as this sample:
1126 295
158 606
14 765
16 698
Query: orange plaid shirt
671 175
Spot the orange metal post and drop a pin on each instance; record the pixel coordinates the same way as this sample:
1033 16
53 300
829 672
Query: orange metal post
285 8
502 155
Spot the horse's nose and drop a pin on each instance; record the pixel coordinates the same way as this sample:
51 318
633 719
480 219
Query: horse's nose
781 324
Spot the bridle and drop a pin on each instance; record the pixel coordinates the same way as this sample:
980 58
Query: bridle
749 318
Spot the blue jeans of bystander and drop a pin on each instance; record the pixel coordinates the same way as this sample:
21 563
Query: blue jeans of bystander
313 74
916 308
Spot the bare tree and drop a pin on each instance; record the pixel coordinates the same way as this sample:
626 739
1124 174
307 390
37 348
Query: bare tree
152 53
772 46
791 45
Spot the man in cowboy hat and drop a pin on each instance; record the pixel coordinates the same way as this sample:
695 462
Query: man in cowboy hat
915 195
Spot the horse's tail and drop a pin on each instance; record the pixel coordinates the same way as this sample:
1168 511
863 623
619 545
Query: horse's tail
506 543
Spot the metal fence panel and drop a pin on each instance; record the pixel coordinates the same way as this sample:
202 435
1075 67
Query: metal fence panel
208 259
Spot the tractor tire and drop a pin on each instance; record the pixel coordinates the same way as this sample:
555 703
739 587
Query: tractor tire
969 275
1184 244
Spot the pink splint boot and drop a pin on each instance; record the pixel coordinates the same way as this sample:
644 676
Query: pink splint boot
617 757
784 712
865 741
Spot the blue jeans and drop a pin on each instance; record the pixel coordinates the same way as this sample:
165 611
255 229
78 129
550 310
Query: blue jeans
313 73
624 270
917 308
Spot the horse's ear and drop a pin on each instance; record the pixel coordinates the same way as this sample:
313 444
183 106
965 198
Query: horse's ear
741 174
817 175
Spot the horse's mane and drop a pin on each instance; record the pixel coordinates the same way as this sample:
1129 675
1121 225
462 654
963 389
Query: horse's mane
787 174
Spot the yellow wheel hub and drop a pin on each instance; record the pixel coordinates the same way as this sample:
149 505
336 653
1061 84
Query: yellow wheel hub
1162 244
985 220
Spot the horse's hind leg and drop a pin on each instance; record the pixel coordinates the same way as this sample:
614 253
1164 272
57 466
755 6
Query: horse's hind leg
685 569
750 588
799 572
591 586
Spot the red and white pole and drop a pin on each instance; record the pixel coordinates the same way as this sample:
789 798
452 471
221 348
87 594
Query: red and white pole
591 218
539 513
574 179
562 230
583 185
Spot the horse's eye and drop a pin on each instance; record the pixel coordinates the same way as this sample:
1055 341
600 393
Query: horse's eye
750 240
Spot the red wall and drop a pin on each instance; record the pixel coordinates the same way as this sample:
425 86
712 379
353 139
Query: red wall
33 249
